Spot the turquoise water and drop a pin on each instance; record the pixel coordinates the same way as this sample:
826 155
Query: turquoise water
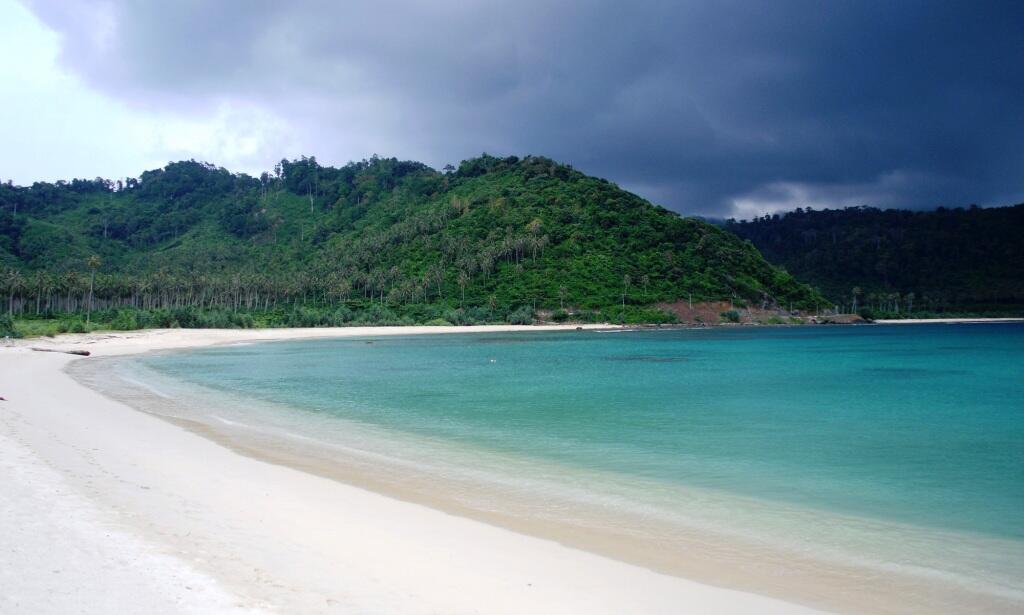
916 426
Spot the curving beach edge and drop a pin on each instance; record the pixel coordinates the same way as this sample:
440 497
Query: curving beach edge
116 510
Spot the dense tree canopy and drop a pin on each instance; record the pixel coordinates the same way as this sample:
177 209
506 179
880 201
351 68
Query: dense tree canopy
495 235
943 260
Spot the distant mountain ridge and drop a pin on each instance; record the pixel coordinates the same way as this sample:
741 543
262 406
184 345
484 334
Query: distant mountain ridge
946 260
393 238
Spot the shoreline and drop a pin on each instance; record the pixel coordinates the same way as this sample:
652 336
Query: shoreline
706 553
945 321
118 343
263 535
698 577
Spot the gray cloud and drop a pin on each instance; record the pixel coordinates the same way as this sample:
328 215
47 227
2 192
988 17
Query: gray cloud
705 107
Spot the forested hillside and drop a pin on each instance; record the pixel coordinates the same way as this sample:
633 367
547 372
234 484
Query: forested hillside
378 241
948 260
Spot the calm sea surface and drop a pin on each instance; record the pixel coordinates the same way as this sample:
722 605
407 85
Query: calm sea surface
893 445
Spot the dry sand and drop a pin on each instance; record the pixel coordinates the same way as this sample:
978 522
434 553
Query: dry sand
110 510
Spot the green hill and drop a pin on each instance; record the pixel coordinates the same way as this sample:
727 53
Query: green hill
942 261
381 240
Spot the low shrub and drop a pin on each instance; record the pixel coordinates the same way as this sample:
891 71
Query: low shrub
7 326
634 315
128 320
521 316
377 314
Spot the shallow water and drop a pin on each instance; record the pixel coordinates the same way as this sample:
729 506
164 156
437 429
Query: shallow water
896 448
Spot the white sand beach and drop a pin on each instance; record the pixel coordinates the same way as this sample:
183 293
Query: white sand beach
107 509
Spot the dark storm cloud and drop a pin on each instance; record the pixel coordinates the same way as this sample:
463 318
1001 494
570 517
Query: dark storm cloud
706 107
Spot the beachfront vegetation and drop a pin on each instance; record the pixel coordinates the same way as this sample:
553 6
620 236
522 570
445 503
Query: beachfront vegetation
378 241
891 263
7 328
732 316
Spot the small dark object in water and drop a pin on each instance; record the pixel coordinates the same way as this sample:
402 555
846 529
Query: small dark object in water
647 358
579 328
81 353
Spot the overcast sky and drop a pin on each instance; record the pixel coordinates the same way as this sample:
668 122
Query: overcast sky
716 108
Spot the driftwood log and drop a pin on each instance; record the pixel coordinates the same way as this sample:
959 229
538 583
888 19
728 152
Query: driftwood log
81 353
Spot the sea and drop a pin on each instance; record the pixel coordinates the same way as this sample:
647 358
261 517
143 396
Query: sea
747 456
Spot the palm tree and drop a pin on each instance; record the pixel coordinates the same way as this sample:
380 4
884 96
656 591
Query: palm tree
94 263
40 285
14 282
73 288
463 280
